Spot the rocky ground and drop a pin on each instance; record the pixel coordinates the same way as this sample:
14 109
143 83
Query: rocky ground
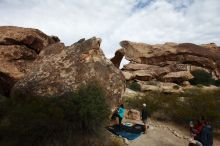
164 134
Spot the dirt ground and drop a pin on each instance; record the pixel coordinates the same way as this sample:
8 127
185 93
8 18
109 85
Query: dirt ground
164 134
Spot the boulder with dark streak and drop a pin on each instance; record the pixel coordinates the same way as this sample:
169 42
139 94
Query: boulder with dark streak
60 70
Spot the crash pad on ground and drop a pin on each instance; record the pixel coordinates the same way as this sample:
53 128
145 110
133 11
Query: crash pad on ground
129 132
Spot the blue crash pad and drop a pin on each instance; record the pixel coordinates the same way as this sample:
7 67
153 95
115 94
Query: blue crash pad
129 132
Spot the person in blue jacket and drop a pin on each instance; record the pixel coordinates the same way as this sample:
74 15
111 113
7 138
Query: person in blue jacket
121 112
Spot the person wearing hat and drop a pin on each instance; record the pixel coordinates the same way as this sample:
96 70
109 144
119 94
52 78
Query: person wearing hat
144 116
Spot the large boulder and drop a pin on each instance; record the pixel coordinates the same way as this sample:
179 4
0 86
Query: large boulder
19 48
60 70
205 56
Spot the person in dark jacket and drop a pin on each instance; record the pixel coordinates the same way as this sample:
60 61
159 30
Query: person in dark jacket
144 115
114 115
203 132
197 130
207 135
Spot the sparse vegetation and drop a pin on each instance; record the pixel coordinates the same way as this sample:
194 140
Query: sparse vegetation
202 77
183 107
73 119
176 87
134 86
116 141
199 85
217 82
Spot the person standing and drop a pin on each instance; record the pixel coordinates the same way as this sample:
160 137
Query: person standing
144 116
115 117
207 135
121 112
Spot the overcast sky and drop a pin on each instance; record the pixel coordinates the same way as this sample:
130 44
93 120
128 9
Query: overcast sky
149 21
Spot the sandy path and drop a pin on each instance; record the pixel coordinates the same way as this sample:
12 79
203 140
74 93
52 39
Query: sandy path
158 135
164 134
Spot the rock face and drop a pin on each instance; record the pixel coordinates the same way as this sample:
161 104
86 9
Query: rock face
132 114
170 73
160 87
169 62
19 47
60 70
205 56
180 76
32 38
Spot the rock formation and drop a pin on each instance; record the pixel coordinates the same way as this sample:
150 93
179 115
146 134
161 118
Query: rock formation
169 62
165 87
132 114
59 70
19 47
35 64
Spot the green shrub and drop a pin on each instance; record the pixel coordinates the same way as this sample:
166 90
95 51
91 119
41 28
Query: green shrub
217 82
152 100
202 77
4 105
62 120
176 87
181 108
134 86
199 85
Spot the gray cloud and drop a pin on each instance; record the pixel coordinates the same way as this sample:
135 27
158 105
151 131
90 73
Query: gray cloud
153 21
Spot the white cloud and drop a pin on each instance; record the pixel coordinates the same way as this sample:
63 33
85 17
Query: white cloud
150 21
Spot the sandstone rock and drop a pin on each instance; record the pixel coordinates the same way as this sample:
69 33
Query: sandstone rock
133 114
178 76
19 47
131 94
144 72
119 54
149 88
211 46
137 66
31 38
61 70
143 75
205 56
186 84
160 87
128 75
170 88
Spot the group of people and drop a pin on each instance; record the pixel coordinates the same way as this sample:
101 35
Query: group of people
202 132
119 113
